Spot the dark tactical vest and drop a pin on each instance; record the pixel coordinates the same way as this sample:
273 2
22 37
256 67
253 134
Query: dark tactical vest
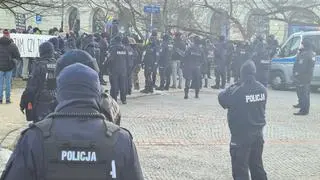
50 83
68 159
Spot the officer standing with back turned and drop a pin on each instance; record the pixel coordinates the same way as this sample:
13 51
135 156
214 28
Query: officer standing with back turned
76 141
118 61
246 104
303 72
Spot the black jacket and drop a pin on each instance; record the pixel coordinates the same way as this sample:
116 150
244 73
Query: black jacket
220 55
166 51
28 160
42 100
178 49
151 57
8 52
118 60
304 66
246 103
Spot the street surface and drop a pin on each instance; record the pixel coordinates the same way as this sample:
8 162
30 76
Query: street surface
188 139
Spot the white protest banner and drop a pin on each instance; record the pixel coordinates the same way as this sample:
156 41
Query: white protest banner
28 44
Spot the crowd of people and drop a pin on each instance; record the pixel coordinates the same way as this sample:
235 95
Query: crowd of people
76 122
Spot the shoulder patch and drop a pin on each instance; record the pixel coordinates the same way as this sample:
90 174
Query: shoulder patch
128 132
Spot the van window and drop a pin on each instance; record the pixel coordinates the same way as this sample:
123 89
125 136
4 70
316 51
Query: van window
291 47
315 40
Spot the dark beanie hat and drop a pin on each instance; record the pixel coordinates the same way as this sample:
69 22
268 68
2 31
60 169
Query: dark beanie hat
248 69
76 56
46 49
78 81
55 42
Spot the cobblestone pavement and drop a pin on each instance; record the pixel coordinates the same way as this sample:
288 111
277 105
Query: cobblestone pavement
188 139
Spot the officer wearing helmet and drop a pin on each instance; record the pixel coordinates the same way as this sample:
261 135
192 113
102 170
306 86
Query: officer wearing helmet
166 50
76 141
150 63
118 61
192 67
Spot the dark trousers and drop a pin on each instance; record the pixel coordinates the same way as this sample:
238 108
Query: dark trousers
220 74
209 68
118 83
148 79
154 75
303 93
129 80
165 77
193 81
245 157
229 73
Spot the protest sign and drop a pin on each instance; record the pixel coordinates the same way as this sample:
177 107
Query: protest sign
28 44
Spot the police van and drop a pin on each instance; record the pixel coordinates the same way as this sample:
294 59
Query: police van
281 76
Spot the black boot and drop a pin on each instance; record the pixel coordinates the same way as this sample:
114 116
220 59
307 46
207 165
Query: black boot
145 91
186 92
215 87
197 93
206 83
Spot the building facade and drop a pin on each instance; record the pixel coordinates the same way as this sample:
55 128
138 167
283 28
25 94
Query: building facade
240 21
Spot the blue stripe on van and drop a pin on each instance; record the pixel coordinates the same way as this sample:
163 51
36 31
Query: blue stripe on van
291 60
284 60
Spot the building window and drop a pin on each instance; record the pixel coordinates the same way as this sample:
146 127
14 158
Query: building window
74 20
258 23
98 21
220 25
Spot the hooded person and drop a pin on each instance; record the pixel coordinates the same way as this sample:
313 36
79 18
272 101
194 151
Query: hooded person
75 127
55 42
108 106
38 99
246 104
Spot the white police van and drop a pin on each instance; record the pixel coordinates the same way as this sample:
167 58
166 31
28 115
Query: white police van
282 64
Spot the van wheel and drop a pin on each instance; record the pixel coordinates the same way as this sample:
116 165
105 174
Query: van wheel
278 81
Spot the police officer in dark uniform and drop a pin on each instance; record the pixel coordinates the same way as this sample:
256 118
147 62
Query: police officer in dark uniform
242 54
220 53
118 61
38 99
130 64
150 63
303 72
55 42
262 60
192 67
108 106
166 51
246 103
210 60
76 141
